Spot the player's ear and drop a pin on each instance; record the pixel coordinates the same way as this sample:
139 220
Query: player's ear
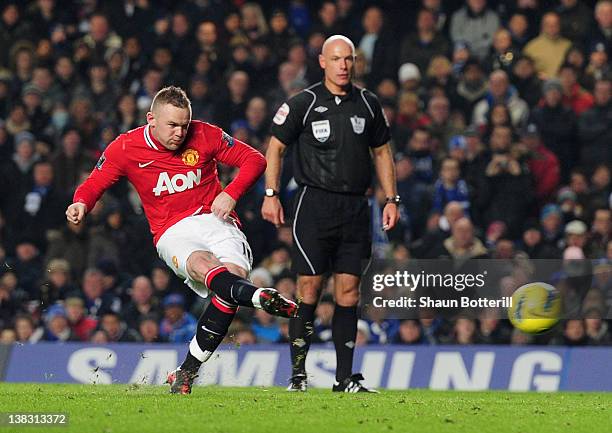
151 118
322 61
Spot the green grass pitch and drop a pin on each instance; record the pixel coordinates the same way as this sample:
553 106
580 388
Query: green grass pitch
132 408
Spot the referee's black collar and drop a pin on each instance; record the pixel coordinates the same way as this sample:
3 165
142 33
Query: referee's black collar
330 96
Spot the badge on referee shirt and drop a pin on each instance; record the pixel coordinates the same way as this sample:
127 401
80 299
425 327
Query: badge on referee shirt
281 114
358 124
321 130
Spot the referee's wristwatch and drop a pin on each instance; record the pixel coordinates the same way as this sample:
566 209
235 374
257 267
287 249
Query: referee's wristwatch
271 192
396 200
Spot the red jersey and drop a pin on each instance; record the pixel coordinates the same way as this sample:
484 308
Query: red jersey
173 185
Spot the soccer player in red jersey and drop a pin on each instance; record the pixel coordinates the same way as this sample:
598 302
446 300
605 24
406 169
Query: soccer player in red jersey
172 163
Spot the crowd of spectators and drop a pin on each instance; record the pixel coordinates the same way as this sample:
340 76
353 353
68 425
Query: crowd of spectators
501 120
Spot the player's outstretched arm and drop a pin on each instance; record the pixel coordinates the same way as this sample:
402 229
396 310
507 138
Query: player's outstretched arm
76 212
107 171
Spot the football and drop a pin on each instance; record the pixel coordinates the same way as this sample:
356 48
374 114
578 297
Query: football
536 308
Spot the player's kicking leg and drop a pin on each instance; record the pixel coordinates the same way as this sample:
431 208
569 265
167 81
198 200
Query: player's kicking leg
231 289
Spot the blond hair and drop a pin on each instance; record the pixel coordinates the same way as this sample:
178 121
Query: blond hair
172 95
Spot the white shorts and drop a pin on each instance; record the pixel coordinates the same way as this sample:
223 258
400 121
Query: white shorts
203 232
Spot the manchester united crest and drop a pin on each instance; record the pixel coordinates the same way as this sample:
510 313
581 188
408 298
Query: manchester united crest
190 157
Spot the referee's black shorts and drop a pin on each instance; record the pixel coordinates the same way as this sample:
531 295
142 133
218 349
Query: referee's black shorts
331 232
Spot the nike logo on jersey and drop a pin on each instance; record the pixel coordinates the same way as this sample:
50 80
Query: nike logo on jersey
320 109
143 165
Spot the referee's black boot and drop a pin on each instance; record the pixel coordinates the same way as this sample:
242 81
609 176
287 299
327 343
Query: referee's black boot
298 383
352 384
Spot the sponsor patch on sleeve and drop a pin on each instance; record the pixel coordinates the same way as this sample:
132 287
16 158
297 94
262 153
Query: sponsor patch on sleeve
281 114
100 162
227 139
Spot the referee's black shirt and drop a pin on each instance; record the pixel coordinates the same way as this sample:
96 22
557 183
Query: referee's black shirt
333 136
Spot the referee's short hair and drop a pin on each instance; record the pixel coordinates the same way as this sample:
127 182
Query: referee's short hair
172 95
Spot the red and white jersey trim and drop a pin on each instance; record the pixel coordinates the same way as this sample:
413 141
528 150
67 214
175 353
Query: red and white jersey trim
148 139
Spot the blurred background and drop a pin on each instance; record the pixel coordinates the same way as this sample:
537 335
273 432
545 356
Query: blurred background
501 126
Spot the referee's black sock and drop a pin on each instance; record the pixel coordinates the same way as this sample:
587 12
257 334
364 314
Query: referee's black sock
300 336
212 327
231 287
344 332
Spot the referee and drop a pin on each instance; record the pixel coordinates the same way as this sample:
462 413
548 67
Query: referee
337 129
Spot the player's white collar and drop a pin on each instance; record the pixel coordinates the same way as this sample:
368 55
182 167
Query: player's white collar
149 139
